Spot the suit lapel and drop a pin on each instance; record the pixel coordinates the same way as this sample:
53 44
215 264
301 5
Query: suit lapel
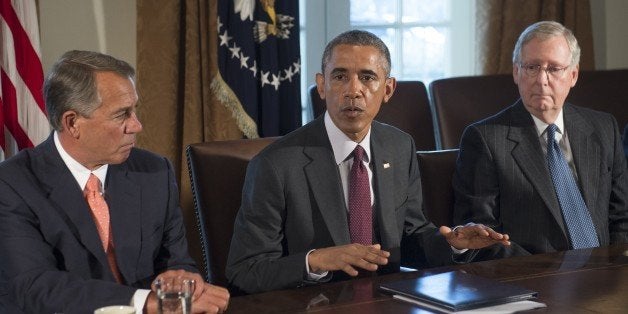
328 197
586 154
383 182
67 199
530 158
123 198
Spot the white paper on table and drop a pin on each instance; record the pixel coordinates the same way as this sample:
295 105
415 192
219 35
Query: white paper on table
505 308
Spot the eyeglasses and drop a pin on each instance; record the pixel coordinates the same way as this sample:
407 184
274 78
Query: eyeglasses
532 70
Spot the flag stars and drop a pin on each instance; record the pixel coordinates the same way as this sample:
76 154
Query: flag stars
275 82
243 60
235 51
219 24
289 74
224 39
264 78
254 68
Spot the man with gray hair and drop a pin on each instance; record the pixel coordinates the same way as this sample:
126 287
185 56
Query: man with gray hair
340 196
550 174
86 219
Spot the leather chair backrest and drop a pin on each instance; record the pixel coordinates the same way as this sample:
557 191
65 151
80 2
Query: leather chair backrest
460 101
603 90
217 171
437 170
408 109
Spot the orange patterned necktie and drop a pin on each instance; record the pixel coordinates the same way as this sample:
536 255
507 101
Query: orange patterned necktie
100 213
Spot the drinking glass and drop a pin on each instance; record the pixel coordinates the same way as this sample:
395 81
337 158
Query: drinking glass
174 295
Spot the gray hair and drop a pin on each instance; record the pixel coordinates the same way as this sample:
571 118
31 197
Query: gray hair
357 38
544 30
71 83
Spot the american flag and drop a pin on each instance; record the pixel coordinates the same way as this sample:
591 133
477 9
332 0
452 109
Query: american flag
23 121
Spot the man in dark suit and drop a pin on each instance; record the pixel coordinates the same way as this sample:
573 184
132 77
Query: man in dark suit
504 177
298 222
65 252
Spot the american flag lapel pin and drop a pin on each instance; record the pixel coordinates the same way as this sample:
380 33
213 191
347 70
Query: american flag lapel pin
386 165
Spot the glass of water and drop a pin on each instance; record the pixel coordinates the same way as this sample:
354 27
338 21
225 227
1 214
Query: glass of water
174 295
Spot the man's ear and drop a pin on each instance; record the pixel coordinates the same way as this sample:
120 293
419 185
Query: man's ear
573 73
515 73
70 123
391 85
320 85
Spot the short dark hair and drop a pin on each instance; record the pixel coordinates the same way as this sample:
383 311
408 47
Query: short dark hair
357 38
71 83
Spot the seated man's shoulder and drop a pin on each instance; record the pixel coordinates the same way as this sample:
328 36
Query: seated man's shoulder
16 166
592 115
141 159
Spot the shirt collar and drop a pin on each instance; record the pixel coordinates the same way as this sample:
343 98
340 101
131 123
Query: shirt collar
342 145
80 172
541 126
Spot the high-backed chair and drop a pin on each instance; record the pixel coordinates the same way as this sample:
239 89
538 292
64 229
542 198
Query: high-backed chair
408 109
460 101
217 171
437 170
603 90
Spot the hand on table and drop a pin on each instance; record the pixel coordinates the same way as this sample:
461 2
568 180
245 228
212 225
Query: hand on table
207 298
473 236
347 258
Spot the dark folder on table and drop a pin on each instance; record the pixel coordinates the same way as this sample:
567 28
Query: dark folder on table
458 291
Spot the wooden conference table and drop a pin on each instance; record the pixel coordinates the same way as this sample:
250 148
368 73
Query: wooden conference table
578 281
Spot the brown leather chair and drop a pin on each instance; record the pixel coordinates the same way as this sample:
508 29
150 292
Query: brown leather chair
603 90
408 109
460 101
217 171
437 170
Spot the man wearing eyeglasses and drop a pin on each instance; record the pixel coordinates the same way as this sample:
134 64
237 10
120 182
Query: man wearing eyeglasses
564 192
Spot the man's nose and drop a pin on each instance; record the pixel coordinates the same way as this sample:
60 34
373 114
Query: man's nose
354 87
133 124
543 76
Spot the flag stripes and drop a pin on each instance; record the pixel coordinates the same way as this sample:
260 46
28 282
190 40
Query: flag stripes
22 117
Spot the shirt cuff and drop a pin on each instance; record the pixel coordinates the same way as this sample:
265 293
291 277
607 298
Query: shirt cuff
455 250
139 300
310 275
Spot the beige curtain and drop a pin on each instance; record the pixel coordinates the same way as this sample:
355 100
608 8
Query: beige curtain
499 23
176 63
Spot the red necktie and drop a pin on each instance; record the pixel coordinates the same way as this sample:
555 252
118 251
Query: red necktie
360 211
100 213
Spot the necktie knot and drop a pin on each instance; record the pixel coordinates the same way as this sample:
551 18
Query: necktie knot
93 184
551 132
358 154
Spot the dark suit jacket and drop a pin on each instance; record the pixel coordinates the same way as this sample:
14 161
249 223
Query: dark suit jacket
293 202
502 180
52 258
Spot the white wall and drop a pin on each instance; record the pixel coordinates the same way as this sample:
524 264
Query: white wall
610 33
106 26
616 34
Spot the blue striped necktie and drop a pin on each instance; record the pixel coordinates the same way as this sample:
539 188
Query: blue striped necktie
575 212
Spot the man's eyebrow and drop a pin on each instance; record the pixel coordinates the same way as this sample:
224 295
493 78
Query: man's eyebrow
369 72
123 109
337 70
